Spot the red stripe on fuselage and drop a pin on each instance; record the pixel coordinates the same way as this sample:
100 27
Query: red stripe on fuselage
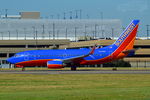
116 52
33 63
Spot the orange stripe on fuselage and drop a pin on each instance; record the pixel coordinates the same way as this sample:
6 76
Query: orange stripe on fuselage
126 44
129 47
55 66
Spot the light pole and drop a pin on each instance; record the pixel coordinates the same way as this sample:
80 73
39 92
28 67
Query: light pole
70 14
96 30
2 35
147 31
53 30
75 33
64 15
112 30
49 34
76 11
57 34
93 34
36 38
43 27
17 34
102 33
25 33
6 13
101 14
66 32
9 34
33 31
85 32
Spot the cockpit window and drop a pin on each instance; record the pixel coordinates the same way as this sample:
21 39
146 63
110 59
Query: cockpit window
17 55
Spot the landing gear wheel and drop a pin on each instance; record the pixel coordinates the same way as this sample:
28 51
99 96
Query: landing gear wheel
73 68
23 68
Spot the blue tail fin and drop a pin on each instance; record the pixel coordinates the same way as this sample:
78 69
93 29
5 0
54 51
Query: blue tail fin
128 34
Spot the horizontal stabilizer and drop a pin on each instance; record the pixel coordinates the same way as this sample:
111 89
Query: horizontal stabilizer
128 51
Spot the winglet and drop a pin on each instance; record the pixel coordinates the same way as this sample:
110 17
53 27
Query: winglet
93 49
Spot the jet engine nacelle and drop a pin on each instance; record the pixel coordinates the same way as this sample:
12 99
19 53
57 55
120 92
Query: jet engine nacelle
55 64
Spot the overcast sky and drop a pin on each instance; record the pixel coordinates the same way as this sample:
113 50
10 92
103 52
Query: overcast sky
125 10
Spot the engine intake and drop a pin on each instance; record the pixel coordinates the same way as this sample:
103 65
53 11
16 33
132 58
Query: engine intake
55 64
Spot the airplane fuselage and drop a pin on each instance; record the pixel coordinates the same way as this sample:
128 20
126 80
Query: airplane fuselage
41 57
84 56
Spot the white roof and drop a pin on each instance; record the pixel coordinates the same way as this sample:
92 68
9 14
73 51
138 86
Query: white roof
11 16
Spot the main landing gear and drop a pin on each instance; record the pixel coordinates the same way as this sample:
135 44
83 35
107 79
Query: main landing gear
73 68
20 66
23 68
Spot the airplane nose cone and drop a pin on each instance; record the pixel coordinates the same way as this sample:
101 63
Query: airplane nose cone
10 60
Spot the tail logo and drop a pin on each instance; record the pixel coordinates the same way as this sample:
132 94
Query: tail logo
125 34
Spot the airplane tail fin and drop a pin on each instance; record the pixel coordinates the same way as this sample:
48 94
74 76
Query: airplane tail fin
127 38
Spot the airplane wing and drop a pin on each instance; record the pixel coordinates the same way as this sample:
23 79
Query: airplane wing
77 58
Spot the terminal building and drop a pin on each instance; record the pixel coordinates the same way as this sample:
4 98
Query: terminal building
29 32
74 30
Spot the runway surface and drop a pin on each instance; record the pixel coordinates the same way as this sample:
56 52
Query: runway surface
75 72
